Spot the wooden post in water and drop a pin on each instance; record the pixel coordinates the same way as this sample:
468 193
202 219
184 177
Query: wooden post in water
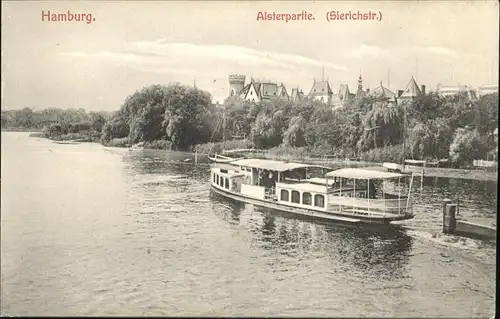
196 157
449 218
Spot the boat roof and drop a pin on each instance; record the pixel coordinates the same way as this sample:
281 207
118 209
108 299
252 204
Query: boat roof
307 187
321 181
271 165
360 173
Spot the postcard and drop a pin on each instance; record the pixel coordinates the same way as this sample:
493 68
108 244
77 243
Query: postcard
249 158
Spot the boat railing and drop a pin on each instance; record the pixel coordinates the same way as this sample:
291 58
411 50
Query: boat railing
391 206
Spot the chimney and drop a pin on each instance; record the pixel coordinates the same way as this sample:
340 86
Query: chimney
422 88
400 92
367 91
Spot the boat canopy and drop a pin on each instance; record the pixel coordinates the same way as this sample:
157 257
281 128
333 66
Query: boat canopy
358 173
277 166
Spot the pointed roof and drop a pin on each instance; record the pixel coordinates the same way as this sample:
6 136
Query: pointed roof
296 94
282 91
321 88
382 92
412 90
245 89
344 91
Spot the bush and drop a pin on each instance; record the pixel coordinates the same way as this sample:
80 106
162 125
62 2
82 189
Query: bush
158 145
287 153
391 153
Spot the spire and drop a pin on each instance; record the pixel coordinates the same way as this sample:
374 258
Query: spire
360 83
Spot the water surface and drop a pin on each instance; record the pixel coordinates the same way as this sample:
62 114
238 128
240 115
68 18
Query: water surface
89 230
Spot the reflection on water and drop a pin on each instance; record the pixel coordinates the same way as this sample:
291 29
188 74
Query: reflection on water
382 252
88 230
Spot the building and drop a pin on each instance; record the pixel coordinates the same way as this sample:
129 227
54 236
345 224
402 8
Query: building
321 91
256 91
456 90
236 84
342 97
487 89
296 94
359 92
411 92
382 93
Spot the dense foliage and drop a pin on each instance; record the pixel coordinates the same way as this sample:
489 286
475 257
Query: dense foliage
181 117
57 123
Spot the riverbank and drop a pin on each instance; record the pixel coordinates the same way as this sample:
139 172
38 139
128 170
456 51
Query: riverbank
462 173
287 155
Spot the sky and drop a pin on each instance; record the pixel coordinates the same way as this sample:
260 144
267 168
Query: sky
130 45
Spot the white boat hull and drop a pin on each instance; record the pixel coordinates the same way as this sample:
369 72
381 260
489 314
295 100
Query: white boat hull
330 216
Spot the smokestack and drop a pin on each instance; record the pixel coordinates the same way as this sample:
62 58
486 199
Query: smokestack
422 88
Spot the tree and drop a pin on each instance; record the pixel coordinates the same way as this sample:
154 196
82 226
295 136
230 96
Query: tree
294 136
466 146
187 119
116 127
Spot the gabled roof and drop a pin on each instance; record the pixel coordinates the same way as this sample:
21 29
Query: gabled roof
257 85
382 92
282 91
245 89
296 94
321 88
344 91
412 90
359 173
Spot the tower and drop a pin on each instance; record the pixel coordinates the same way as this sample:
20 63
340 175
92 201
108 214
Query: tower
236 84
360 83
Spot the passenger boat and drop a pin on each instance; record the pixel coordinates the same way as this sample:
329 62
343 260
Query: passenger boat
349 195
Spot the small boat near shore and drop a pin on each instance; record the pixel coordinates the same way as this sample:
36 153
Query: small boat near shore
72 142
348 195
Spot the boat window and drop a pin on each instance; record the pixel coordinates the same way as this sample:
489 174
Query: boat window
319 200
306 198
217 182
221 181
215 178
295 197
227 184
284 195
